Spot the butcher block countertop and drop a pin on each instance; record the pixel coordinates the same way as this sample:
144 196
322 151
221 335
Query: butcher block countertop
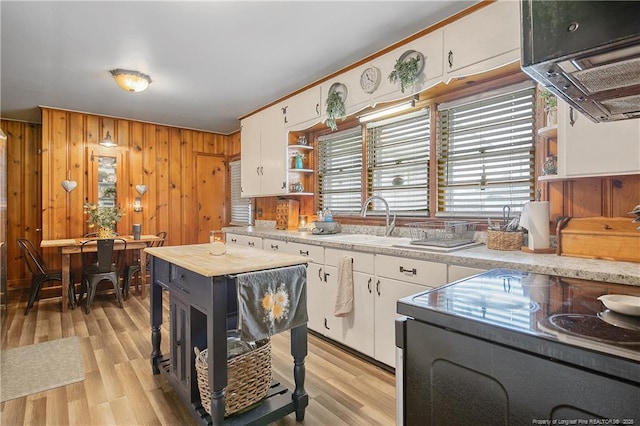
197 258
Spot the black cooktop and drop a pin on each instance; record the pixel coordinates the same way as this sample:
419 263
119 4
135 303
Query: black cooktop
549 307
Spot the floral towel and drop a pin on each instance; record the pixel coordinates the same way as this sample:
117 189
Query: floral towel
271 301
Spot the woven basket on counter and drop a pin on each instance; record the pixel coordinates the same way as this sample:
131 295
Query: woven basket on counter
248 378
504 240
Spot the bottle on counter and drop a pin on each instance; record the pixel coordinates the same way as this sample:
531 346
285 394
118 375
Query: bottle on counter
328 216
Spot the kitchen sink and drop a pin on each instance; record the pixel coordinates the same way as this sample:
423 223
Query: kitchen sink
365 239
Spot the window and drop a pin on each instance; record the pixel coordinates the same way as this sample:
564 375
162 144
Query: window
398 162
340 171
240 207
486 153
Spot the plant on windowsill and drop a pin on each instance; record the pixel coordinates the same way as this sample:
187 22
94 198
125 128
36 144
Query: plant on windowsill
550 106
104 218
406 71
335 110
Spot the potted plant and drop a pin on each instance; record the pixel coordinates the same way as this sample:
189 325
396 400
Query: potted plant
105 218
406 71
335 109
550 106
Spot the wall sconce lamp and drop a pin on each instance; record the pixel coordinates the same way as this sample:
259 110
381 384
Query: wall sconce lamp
131 81
107 142
137 204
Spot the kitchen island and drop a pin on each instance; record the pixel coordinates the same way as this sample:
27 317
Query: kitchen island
203 308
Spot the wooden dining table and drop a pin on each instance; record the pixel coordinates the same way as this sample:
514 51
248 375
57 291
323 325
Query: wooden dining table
68 246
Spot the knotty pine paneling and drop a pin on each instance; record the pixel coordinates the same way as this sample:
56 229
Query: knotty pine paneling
23 194
41 156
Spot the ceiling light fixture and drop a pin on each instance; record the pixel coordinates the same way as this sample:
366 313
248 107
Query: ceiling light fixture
107 142
131 81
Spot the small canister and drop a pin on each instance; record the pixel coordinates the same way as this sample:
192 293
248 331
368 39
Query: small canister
137 229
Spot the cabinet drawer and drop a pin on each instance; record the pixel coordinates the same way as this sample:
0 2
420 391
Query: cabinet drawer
276 245
362 262
244 240
316 253
411 270
189 286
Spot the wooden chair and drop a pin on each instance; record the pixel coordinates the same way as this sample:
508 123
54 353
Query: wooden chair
133 269
40 273
107 268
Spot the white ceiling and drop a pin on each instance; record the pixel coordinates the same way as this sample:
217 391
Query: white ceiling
210 61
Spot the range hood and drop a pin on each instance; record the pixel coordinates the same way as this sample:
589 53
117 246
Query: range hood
586 53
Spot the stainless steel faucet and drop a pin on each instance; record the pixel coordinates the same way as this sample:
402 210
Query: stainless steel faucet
363 213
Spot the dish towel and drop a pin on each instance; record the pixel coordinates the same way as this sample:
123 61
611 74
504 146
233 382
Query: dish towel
344 295
271 301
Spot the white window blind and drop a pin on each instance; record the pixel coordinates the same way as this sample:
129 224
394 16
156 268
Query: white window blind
398 163
486 154
340 171
240 207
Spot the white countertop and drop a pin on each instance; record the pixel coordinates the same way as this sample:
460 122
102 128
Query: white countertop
477 257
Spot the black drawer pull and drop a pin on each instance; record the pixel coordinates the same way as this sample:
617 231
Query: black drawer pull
304 253
411 271
369 284
251 243
274 246
378 287
233 240
325 324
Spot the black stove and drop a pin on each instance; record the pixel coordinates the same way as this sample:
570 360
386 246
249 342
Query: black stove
545 306
513 347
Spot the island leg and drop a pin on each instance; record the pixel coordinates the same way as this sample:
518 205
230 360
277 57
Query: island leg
155 301
217 349
299 352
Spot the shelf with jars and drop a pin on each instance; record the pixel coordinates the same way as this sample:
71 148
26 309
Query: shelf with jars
300 172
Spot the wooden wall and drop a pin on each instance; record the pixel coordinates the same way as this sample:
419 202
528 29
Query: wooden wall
163 158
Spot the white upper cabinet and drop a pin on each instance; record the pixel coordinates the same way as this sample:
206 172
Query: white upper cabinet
250 149
596 149
484 40
356 100
430 46
264 154
303 110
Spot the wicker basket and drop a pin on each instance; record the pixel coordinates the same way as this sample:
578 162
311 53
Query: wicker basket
504 240
248 378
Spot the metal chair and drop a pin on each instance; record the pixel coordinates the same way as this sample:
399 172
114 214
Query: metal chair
133 269
40 273
106 268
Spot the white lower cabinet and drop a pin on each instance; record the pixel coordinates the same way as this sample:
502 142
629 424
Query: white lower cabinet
355 329
243 240
460 272
395 278
316 291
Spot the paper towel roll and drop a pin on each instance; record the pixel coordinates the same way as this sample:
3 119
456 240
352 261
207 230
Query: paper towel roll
535 219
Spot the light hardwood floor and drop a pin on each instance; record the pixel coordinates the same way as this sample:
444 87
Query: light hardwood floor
120 389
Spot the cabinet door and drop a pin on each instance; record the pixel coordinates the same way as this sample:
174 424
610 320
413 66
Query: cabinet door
431 48
316 296
387 293
356 328
303 110
482 41
250 152
596 149
273 153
